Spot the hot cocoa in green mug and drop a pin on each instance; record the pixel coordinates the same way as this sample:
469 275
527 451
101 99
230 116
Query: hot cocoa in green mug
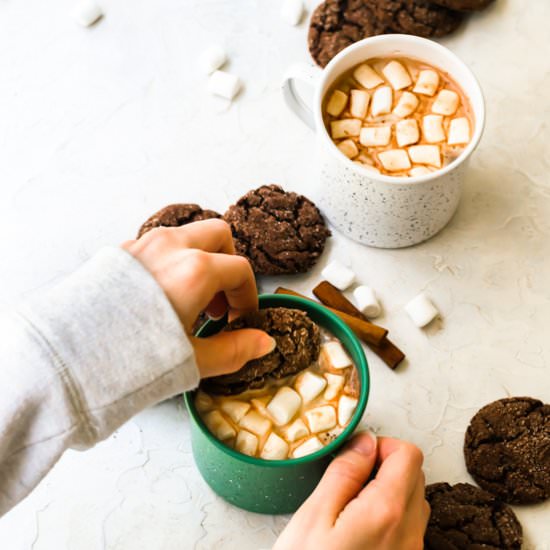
274 486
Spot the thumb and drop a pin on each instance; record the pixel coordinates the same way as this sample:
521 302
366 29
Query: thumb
228 351
346 475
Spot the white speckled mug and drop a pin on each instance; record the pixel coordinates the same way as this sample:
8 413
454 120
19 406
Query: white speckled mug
378 210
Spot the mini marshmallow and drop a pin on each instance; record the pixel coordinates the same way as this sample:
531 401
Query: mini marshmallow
365 159
87 12
459 131
309 385
397 75
432 128
345 127
349 148
406 132
334 355
346 408
395 160
421 310
419 171
246 443
446 103
219 426
275 448
406 105
338 275
296 430
366 301
256 423
375 136
224 84
359 103
337 103
321 419
367 76
426 154
203 402
367 167
382 100
309 446
292 11
212 59
234 409
335 383
260 404
284 405
330 436
427 83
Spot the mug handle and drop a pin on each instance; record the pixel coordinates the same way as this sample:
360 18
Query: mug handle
309 74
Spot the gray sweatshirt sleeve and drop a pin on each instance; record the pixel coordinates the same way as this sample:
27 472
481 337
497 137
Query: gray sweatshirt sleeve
79 360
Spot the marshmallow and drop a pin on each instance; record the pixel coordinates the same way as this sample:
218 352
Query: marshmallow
459 131
292 11
366 301
284 405
334 355
427 83
419 171
309 385
367 167
382 100
365 159
367 76
446 103
224 84
406 105
321 419
234 409
426 154
275 448
432 128
203 401
346 408
395 160
310 446
246 443
406 132
212 58
87 12
255 423
421 310
359 103
330 436
260 404
338 275
349 148
375 136
335 383
345 127
337 103
397 75
296 430
219 426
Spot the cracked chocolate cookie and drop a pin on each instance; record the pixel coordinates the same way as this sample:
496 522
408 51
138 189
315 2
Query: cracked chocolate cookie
466 517
279 232
463 5
175 215
298 345
507 449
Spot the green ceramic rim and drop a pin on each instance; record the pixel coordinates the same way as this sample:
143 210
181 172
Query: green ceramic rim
362 366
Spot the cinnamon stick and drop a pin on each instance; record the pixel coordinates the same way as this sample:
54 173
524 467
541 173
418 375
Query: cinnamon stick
367 331
332 297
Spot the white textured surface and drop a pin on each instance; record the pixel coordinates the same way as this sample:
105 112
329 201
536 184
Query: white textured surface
100 127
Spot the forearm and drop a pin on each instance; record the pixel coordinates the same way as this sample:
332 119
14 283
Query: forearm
78 361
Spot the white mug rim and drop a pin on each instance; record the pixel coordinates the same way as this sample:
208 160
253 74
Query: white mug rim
401 180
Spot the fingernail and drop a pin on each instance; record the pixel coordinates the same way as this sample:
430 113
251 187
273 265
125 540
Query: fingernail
268 344
363 442
215 318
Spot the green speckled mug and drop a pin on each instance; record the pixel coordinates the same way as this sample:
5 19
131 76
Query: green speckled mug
273 486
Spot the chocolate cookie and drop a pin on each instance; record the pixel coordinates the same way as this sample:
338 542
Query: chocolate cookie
298 345
279 232
335 24
175 215
463 5
507 449
466 517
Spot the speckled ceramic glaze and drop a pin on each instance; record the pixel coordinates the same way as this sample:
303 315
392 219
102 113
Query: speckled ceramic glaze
273 486
379 210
